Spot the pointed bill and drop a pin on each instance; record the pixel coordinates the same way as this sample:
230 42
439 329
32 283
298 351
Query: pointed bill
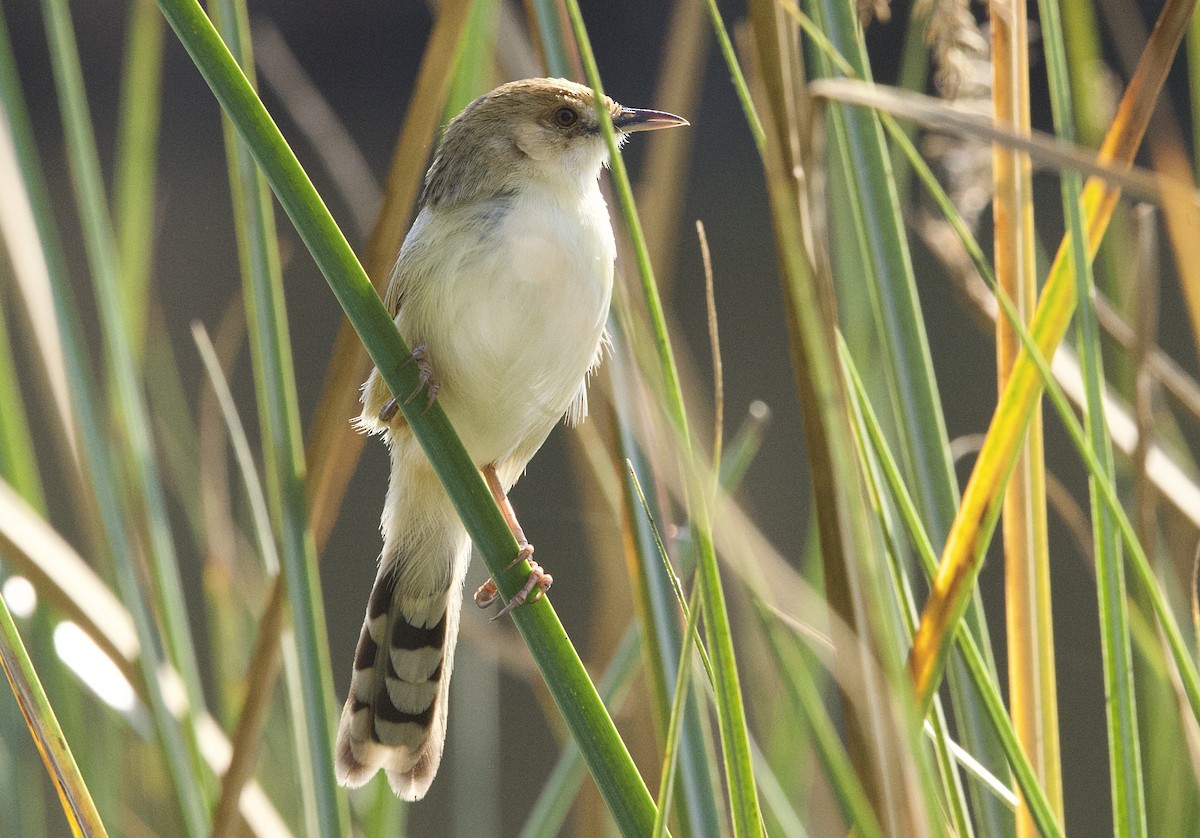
636 119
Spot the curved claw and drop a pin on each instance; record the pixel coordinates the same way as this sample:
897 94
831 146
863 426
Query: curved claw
525 554
389 410
486 594
425 381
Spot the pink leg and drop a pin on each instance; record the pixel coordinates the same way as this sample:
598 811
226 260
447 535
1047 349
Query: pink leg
487 593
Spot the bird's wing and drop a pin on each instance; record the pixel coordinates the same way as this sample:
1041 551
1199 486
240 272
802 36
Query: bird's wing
410 269
393 297
413 261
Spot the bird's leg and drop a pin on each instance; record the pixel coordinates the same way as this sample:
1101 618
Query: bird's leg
510 517
538 578
425 381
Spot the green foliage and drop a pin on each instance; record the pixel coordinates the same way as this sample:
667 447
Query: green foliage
773 700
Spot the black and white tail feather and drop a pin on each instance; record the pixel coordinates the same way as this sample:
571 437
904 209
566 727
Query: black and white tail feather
395 715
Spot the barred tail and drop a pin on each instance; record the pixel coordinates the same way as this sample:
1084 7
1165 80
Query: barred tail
395 714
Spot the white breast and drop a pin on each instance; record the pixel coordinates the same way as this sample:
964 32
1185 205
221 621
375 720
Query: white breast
513 317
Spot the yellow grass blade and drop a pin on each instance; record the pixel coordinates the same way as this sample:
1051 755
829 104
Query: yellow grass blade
973 526
1032 697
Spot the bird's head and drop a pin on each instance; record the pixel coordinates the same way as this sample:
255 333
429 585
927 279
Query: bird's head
544 129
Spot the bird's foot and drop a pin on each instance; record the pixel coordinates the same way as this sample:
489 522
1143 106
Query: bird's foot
538 583
539 579
425 381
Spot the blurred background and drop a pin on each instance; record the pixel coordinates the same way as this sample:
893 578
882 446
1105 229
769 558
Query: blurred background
362 58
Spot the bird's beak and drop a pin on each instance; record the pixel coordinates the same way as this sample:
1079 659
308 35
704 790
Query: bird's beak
634 119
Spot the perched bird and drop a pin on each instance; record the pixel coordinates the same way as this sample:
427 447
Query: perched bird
502 286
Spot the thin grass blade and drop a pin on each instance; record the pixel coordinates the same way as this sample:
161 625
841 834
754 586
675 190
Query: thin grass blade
283 74
1033 699
549 19
43 725
279 420
679 701
18 466
661 189
1124 744
264 665
795 670
744 806
997 714
144 477
655 604
953 795
137 145
890 764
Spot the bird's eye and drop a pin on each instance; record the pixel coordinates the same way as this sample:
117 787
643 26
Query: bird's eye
565 117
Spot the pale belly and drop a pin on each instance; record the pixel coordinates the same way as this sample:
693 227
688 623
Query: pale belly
518 326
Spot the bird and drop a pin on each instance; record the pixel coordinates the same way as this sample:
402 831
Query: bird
502 288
